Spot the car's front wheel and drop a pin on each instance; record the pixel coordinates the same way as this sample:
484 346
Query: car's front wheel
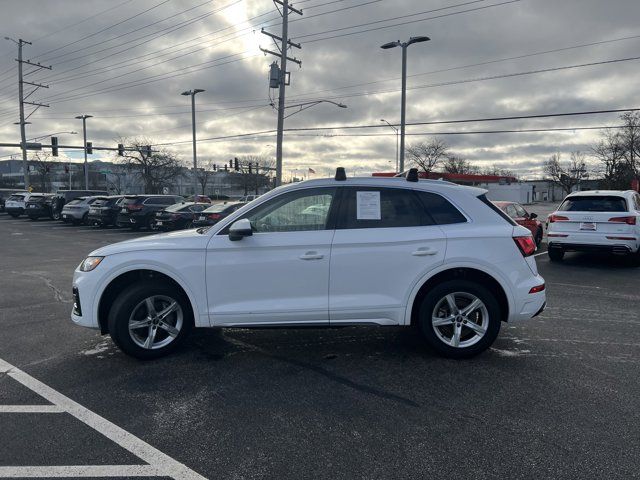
538 237
150 321
460 318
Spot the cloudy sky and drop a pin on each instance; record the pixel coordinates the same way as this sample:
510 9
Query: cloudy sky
126 61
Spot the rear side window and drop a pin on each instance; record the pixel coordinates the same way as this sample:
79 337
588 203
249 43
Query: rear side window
596 203
368 207
488 203
160 201
130 201
440 209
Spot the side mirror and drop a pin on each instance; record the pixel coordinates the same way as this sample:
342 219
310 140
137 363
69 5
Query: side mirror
240 229
533 215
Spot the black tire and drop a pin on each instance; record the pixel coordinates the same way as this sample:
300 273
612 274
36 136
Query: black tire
493 318
538 237
56 215
556 254
131 298
150 223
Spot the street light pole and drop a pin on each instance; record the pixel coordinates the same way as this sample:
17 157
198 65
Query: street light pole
84 133
404 46
395 129
193 93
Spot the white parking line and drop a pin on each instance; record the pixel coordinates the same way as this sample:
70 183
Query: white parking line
31 409
541 253
159 464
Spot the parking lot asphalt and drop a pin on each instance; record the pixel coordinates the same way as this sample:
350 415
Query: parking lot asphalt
556 397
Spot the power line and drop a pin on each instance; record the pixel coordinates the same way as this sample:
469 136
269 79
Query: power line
470 65
66 27
101 30
486 78
117 37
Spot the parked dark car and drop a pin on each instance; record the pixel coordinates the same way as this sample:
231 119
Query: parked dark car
215 213
39 205
104 210
63 197
139 211
178 216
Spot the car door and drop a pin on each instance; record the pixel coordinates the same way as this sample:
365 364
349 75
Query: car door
279 274
385 241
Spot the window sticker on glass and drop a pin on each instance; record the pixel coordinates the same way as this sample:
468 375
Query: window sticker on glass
368 205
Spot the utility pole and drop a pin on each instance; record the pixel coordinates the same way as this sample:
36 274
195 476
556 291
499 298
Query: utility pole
193 93
23 100
282 80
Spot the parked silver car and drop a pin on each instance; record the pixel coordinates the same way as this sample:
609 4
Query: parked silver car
77 211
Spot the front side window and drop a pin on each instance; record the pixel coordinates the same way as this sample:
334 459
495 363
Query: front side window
368 207
511 211
521 211
299 211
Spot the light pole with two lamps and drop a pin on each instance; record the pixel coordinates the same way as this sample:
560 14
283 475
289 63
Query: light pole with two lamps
404 46
395 129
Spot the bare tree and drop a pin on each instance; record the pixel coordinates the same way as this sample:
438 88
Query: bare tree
629 141
157 169
41 163
609 153
567 175
205 173
427 155
457 164
256 172
498 171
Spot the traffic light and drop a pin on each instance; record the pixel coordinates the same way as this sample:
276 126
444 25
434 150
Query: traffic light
226 168
120 150
89 148
66 169
147 150
250 172
54 146
215 167
236 165
231 163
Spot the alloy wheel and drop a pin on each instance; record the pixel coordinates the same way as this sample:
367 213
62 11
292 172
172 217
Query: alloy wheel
460 319
155 322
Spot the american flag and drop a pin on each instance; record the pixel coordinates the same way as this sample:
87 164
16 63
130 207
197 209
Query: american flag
311 170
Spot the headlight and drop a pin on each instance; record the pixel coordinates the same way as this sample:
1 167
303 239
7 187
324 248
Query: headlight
90 263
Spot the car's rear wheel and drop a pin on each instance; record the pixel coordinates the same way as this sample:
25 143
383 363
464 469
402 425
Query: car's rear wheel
556 254
150 321
56 215
460 318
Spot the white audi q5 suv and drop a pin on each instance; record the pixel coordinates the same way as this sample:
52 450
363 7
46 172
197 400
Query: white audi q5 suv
331 252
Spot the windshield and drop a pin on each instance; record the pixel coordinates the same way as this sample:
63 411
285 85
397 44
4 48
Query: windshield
596 203
18 198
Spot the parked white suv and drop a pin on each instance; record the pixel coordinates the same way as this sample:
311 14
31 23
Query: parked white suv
383 251
595 221
15 204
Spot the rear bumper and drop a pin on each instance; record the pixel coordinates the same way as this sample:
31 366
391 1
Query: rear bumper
102 219
37 211
622 248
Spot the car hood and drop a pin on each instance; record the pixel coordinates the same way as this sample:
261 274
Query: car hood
180 240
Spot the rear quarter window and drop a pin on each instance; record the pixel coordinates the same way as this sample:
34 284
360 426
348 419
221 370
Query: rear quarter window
440 209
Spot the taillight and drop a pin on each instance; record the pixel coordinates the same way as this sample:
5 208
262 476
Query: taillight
558 218
627 220
134 207
526 245
215 216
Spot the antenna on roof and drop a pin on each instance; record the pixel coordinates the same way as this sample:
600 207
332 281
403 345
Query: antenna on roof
341 175
412 175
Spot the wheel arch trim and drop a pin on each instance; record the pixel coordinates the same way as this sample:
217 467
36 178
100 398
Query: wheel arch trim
493 273
152 266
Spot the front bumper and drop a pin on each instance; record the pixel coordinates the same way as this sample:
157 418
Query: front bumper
85 286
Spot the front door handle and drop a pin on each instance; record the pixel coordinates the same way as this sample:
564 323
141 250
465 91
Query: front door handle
311 256
423 252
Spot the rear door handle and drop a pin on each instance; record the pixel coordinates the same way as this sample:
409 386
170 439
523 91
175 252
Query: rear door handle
423 252
311 256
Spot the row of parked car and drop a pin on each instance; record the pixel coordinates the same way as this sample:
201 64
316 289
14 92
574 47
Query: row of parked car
153 212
